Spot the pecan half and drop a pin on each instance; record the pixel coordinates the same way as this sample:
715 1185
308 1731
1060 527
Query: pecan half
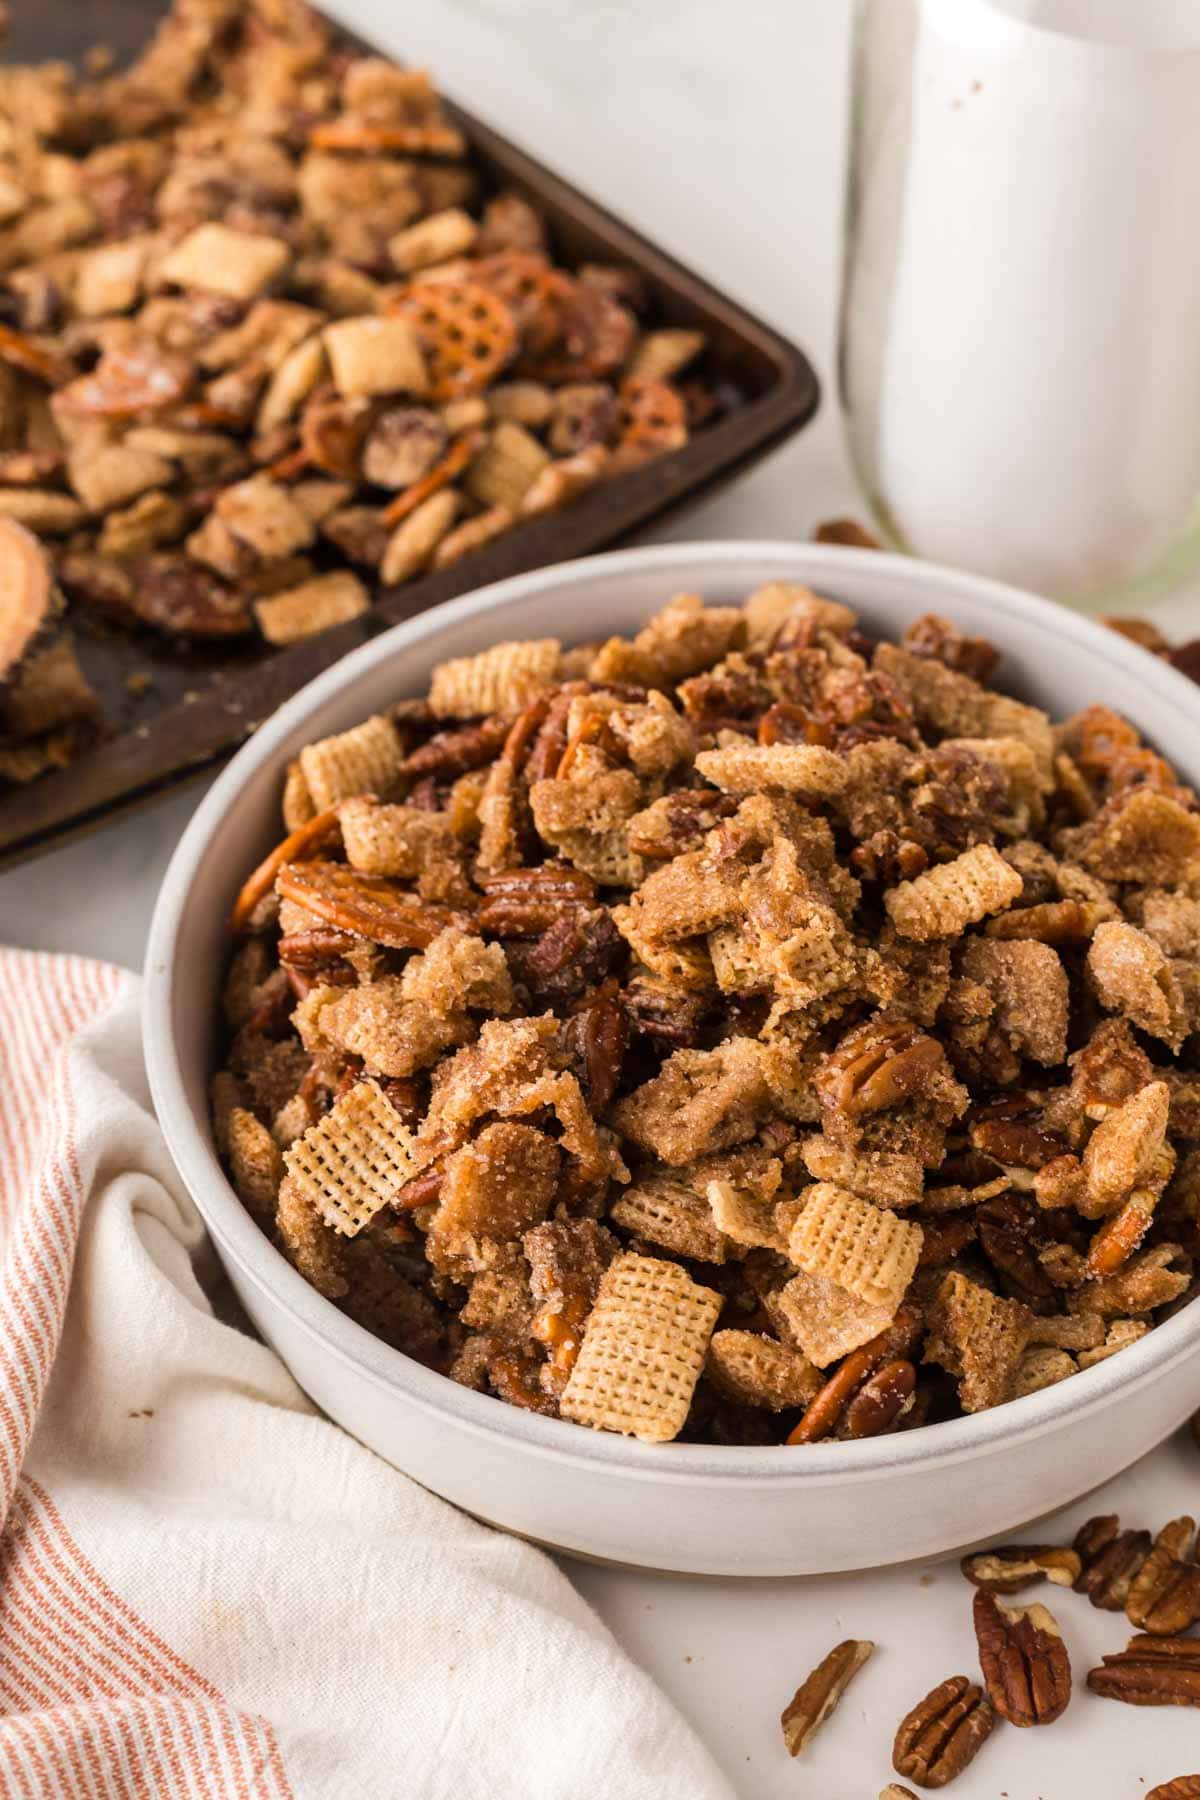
1164 1595
1050 922
598 1035
883 1064
574 953
690 813
1110 1558
888 858
1024 1661
1151 1671
1183 1787
944 1732
816 1698
526 902
668 1015
869 1388
1010 1233
1008 1132
368 905
456 752
319 955
1011 1567
422 1190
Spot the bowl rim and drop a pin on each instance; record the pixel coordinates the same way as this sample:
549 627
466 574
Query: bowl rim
482 1415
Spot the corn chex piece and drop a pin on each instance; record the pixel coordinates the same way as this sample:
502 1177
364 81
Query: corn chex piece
500 680
506 467
219 260
868 1250
364 760
314 606
375 356
643 1350
797 768
351 1162
945 900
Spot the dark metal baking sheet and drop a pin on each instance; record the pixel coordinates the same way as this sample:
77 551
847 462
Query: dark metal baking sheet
178 708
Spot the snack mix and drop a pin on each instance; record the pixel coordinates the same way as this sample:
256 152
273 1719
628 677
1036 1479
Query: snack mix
265 342
746 1032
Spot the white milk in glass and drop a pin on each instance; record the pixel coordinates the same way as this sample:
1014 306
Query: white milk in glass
1020 354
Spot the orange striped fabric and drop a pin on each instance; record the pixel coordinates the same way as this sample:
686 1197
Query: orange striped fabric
94 1705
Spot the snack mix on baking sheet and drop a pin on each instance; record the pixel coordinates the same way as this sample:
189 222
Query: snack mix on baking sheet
265 342
747 1032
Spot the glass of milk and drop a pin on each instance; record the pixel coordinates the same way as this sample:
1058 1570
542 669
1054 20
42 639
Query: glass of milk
1020 332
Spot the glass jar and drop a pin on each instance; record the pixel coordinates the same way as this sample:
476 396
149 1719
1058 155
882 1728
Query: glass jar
1020 326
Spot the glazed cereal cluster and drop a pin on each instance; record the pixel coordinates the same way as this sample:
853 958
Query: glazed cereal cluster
266 342
744 1032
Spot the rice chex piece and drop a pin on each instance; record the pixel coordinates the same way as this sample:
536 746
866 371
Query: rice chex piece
498 1186
393 1034
314 606
1132 975
868 1250
759 1371
745 1216
219 260
351 1162
826 1319
945 900
376 356
363 760
1029 986
643 1350
500 680
749 768
978 1336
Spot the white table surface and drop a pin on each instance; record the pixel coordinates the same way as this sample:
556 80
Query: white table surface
716 126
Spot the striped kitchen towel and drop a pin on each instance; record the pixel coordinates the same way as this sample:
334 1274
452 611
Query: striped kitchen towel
206 1589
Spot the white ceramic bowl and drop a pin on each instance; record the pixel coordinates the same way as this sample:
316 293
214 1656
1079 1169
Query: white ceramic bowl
693 1508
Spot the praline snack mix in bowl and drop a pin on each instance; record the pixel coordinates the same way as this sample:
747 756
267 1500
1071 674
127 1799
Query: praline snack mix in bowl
744 1030
730 1119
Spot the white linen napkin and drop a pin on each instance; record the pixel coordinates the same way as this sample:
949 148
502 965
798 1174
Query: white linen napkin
206 1589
